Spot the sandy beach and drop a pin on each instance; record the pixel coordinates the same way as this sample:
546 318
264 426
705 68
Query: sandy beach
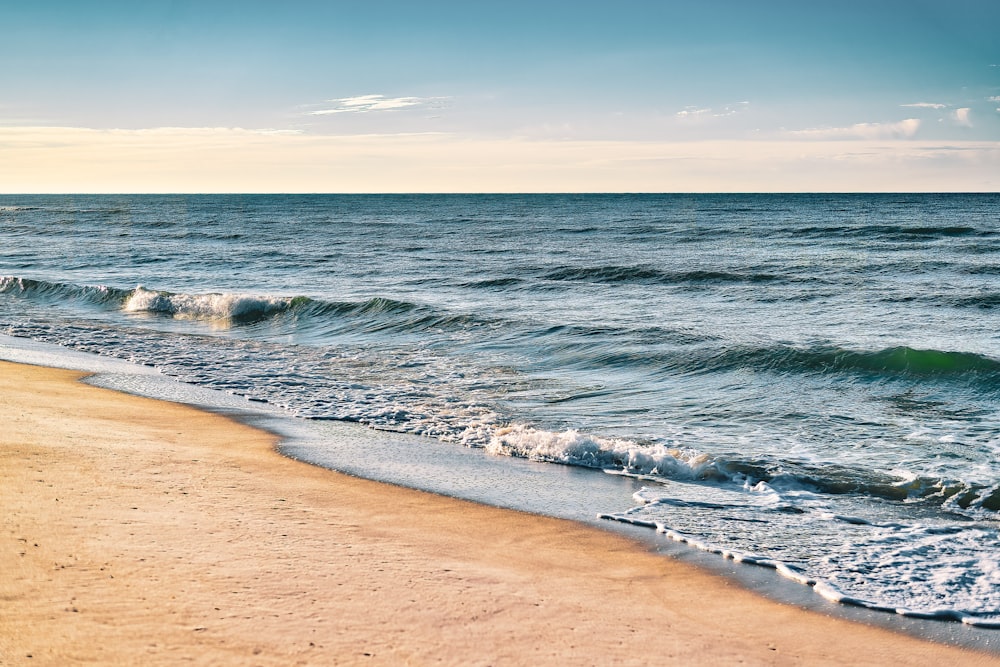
142 532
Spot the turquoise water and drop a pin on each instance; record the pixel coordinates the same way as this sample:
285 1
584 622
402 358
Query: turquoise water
807 382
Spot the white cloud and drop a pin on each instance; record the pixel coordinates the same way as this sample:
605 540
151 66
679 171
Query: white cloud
692 112
995 98
925 105
731 109
900 130
370 103
961 116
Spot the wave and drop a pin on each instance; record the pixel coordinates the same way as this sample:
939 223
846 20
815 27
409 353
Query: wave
983 270
687 464
374 306
572 447
702 354
905 232
53 292
491 283
373 315
63 211
983 301
15 209
301 313
901 362
233 307
893 232
644 274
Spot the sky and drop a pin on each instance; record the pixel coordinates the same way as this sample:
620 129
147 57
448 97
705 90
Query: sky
539 96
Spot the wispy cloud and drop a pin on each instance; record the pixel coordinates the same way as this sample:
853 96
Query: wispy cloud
732 109
693 112
925 105
371 103
900 130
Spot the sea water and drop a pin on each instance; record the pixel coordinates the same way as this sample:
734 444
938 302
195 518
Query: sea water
804 382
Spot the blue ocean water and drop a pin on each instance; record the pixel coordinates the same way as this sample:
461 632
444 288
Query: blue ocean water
806 382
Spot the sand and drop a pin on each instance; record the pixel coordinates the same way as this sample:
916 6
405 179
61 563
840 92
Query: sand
142 532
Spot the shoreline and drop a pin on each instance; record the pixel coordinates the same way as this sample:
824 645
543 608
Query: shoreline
138 531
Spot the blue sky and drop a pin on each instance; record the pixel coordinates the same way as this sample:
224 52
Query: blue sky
131 95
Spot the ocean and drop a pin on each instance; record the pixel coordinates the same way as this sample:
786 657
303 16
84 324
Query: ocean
807 383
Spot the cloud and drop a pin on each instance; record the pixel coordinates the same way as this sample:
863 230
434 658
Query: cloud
961 116
370 103
925 105
731 109
903 129
995 98
693 112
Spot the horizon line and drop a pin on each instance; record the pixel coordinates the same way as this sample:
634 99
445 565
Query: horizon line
507 192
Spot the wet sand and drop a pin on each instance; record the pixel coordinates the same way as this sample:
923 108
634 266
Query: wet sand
143 532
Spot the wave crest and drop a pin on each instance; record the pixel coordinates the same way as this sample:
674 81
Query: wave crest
572 447
900 361
236 307
686 464
52 292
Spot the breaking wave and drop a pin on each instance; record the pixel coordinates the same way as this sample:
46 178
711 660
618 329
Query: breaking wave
623 456
233 308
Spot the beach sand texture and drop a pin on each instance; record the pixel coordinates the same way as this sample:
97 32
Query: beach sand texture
143 532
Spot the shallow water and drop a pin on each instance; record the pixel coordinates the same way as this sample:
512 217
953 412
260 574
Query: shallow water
808 382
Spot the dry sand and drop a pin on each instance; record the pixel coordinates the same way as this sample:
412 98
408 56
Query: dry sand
142 532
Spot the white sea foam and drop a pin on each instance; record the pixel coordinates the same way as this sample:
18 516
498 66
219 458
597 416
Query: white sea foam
899 566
